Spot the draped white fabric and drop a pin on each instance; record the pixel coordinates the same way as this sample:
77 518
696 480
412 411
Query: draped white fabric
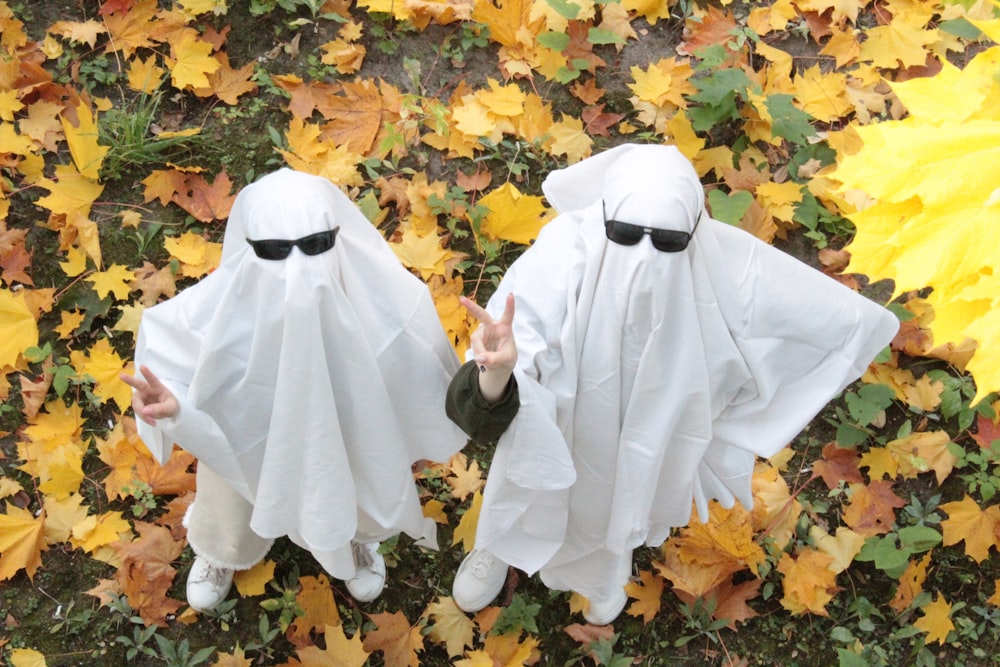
309 384
649 379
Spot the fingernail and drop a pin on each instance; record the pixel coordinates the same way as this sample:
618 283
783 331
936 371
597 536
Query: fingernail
482 368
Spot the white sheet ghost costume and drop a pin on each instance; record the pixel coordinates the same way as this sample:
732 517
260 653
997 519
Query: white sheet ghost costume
307 386
649 379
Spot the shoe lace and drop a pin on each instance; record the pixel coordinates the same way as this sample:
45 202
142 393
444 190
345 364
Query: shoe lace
362 557
481 564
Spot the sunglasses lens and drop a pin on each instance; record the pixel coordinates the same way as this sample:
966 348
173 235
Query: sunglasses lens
622 233
314 244
668 240
272 249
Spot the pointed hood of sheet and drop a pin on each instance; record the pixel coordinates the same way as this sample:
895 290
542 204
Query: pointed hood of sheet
669 373
310 383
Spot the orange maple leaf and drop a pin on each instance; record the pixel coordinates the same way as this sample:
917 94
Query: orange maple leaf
976 526
153 283
911 584
316 599
871 510
339 652
808 582
206 202
839 464
229 84
398 641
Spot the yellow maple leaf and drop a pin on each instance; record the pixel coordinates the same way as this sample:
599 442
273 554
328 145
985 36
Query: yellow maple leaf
471 117
465 532
841 9
822 95
936 621
314 154
424 254
192 62
651 85
450 626
434 509
104 365
197 7
62 473
71 193
18 328
976 526
881 463
253 581
196 254
113 281
75 264
779 199
902 43
145 76
929 221
129 321
841 547
95 531
87 153
648 594
507 650
464 476
22 541
513 216
570 139
502 100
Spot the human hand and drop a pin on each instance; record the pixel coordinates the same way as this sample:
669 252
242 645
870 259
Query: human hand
493 347
151 399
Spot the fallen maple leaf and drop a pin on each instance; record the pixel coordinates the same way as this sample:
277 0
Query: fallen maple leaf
464 476
513 216
18 329
450 626
320 609
648 594
911 584
22 541
82 138
339 652
976 526
936 621
399 642
871 510
808 582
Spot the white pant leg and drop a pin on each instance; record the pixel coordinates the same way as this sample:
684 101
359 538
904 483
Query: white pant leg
218 524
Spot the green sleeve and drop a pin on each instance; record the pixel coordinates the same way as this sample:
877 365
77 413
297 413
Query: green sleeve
481 420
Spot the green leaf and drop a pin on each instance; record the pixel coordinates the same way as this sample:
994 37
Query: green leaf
517 616
848 659
869 402
919 538
720 86
961 27
787 120
557 41
603 36
729 208
566 9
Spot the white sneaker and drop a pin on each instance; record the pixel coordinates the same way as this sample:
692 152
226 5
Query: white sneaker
602 611
479 579
207 585
368 582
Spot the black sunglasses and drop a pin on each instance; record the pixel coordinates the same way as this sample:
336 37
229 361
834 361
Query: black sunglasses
664 240
314 244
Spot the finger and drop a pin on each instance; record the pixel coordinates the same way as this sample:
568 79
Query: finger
508 311
132 381
154 382
476 310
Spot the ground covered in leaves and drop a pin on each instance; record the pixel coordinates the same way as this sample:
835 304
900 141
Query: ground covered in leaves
127 127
